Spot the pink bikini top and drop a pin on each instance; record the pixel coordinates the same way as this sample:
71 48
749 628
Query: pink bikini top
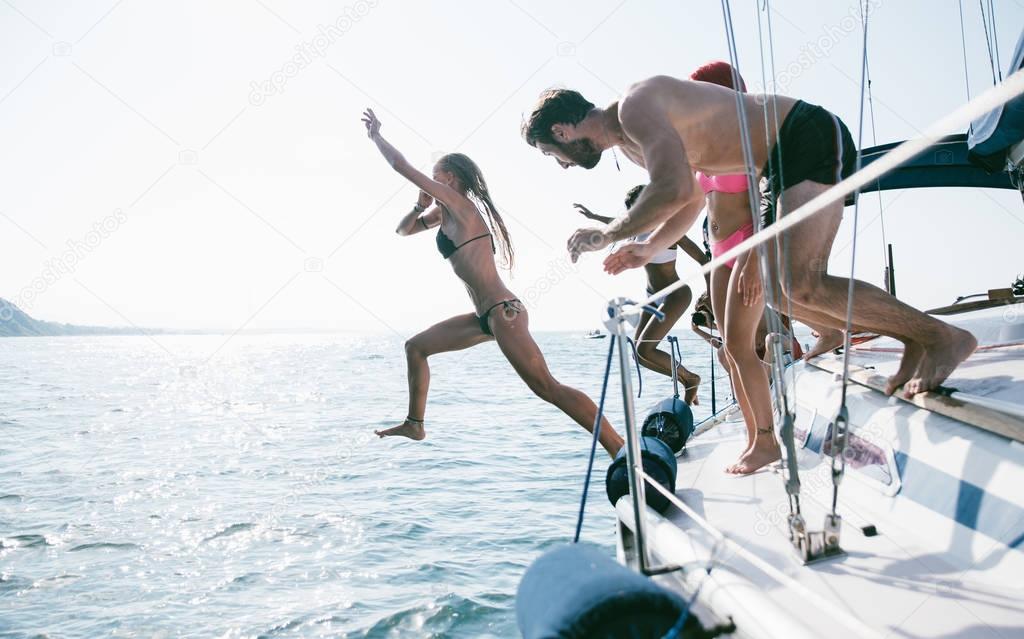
722 183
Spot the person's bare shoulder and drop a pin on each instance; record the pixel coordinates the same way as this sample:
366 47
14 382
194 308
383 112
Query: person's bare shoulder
656 84
656 92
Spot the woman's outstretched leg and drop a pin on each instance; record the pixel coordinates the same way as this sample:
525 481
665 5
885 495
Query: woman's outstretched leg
650 334
511 330
453 334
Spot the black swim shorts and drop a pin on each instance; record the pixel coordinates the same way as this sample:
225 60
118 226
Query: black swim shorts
813 144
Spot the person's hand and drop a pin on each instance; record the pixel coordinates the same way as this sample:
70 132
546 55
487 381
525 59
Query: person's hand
424 199
585 240
632 255
584 211
372 123
748 284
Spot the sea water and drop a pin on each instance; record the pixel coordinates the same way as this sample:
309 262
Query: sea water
217 486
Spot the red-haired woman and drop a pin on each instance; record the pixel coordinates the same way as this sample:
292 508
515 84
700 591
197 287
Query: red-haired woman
737 297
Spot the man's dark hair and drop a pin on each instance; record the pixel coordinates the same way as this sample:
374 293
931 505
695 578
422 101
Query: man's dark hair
632 195
555 106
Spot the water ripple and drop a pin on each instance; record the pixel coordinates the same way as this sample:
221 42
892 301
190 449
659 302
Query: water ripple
247 496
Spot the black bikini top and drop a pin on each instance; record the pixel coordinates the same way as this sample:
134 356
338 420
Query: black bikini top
447 247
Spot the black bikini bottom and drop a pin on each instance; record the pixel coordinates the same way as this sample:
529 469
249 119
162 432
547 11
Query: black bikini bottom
513 305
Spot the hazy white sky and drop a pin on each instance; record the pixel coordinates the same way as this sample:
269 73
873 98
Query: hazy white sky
202 164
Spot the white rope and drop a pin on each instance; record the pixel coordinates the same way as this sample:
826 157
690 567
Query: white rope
988 40
824 605
957 120
963 45
754 198
995 39
878 190
782 263
856 215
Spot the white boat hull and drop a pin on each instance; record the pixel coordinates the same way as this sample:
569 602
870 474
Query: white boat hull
944 496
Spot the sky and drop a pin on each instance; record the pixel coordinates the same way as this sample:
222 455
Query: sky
202 164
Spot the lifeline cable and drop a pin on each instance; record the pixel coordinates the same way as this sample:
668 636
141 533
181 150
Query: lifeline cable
597 434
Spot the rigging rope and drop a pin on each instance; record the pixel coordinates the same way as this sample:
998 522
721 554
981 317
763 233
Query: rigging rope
751 172
963 45
677 355
792 474
597 435
988 40
995 38
636 360
782 263
841 423
878 189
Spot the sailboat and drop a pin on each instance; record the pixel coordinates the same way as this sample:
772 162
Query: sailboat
887 516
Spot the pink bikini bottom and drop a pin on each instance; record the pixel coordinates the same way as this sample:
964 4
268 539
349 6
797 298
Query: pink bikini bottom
717 248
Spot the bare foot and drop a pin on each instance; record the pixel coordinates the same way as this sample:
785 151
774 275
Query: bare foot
827 341
731 469
912 354
691 381
940 360
410 429
765 452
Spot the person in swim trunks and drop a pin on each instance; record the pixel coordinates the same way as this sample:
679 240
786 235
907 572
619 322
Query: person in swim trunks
464 238
661 272
674 128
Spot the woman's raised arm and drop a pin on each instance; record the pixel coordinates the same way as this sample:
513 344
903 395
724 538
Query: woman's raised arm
443 193
416 221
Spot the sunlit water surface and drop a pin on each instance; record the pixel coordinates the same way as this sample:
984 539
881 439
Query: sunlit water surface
200 486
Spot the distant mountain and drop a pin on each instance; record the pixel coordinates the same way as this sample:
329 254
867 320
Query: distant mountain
14 322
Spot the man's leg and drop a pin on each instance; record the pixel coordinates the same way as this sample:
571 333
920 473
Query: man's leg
830 330
933 348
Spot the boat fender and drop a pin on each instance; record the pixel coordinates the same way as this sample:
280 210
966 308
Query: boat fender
671 421
579 591
658 461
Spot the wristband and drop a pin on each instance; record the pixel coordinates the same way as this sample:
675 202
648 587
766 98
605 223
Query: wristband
419 209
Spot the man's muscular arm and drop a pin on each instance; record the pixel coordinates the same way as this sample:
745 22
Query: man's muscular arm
672 199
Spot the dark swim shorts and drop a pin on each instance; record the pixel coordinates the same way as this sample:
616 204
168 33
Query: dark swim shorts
813 144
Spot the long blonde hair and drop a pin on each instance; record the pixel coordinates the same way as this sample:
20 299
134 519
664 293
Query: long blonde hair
469 174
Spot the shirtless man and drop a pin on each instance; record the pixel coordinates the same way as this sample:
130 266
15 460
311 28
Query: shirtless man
674 127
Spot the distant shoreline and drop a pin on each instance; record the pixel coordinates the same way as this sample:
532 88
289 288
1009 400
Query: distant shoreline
16 323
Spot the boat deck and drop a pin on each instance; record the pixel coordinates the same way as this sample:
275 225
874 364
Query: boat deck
899 581
945 501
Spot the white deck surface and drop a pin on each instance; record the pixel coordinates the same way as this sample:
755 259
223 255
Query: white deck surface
924 574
